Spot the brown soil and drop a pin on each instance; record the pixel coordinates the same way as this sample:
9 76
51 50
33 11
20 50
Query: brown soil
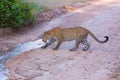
100 62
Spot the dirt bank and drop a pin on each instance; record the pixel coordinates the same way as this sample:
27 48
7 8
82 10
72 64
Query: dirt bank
100 62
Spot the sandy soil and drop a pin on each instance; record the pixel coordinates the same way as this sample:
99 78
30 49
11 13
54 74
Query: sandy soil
100 62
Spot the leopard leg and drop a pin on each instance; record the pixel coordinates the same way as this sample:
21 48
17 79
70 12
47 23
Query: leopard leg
49 43
77 43
58 44
86 43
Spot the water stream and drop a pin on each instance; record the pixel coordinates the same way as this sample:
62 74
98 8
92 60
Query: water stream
20 48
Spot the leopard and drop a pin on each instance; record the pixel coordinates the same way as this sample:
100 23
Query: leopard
79 34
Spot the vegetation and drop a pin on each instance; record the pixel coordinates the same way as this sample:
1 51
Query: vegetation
15 13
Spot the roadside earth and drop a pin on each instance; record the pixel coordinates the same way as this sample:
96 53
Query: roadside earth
100 62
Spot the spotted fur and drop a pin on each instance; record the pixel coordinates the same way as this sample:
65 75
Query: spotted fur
79 34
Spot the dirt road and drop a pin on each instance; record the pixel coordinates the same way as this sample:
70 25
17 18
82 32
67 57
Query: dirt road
100 62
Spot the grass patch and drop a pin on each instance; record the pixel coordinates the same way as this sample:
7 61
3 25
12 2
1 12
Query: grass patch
14 13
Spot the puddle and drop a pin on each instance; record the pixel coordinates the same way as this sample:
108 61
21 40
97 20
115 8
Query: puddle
20 48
